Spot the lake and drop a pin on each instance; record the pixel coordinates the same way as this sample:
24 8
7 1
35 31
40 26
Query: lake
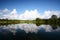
29 32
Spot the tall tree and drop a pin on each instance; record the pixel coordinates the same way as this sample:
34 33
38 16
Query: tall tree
54 19
37 21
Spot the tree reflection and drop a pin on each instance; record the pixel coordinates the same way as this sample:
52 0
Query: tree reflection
54 26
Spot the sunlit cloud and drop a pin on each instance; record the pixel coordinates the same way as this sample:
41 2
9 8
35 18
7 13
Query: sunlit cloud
30 15
48 14
13 14
27 14
5 10
3 13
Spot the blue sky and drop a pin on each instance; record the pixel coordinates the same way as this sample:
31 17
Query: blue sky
22 5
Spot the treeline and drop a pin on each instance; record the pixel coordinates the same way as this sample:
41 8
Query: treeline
7 21
53 21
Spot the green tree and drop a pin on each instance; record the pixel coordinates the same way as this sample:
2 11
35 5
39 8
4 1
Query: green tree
54 19
59 20
37 21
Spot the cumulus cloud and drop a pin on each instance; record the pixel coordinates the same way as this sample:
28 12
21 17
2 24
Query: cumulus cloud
5 10
3 13
27 14
8 14
48 14
13 14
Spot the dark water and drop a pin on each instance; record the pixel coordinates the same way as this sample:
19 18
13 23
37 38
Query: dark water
29 32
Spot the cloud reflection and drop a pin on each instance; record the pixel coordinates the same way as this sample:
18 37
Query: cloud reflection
28 28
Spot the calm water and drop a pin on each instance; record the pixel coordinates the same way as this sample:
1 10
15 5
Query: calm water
29 32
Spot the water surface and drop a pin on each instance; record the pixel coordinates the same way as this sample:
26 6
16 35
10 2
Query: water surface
29 32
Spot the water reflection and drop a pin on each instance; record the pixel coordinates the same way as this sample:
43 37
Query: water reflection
30 28
28 32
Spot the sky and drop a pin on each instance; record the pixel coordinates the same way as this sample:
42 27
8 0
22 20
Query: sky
29 9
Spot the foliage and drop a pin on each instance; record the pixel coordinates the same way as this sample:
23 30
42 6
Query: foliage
52 21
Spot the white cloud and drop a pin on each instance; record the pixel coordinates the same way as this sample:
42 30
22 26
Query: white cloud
13 14
8 14
48 14
27 15
5 10
3 13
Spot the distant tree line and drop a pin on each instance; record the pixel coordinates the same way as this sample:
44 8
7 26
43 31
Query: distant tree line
7 21
53 21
